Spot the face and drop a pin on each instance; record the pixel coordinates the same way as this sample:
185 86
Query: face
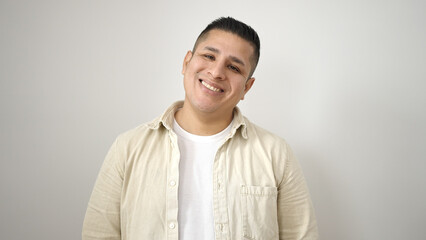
216 74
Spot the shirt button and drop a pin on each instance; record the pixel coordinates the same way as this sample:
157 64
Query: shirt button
220 227
219 187
172 225
172 183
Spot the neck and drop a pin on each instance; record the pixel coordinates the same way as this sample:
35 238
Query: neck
200 123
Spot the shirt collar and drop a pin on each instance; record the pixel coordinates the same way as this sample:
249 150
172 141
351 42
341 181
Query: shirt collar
166 119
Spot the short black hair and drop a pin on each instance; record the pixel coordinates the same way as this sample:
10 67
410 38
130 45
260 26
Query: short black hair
238 28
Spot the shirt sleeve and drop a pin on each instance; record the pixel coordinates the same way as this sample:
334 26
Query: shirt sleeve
102 220
296 217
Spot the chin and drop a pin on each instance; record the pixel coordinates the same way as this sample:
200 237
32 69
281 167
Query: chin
205 107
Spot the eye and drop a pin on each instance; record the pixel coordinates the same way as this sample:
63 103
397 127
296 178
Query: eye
233 68
208 56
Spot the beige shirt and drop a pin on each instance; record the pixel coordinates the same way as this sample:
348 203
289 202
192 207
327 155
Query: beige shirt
259 191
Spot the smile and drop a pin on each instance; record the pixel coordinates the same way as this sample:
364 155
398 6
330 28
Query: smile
211 87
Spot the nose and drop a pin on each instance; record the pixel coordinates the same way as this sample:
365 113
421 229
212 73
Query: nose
217 70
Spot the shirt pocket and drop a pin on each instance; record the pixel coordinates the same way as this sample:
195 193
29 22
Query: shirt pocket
259 212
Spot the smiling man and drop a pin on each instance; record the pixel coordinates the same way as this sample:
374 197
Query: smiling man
217 75
202 170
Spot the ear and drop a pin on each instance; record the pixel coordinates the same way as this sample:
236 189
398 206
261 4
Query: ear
249 84
186 60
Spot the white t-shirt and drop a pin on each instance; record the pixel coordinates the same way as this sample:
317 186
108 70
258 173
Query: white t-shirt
197 153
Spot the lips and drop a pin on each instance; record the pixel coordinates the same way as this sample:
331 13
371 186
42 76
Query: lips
212 88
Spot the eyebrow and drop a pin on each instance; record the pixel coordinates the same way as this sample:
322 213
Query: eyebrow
233 58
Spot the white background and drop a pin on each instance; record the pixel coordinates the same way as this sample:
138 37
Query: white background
342 81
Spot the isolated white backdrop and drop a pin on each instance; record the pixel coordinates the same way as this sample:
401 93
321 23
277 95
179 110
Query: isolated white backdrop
342 81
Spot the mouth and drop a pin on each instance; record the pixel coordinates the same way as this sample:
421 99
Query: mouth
214 89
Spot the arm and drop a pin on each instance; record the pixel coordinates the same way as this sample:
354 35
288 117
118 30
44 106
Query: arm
296 218
102 220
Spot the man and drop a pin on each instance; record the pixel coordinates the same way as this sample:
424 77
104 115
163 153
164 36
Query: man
202 170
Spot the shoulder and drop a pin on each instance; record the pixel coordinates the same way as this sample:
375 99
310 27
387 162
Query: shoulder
141 135
267 149
267 145
260 134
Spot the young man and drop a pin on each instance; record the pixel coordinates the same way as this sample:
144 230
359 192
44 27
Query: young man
202 170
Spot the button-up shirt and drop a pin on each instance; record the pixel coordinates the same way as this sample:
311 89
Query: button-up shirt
259 191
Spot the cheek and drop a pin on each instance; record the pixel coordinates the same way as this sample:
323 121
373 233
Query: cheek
240 88
191 70
196 63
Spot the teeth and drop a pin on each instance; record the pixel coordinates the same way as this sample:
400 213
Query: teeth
210 87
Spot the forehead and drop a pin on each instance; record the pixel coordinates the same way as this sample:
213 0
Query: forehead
227 43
